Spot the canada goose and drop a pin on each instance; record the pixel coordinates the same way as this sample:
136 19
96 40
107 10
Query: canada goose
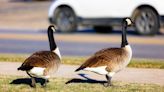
43 63
111 60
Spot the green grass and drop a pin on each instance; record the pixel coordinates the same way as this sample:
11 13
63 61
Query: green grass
145 63
58 85
136 63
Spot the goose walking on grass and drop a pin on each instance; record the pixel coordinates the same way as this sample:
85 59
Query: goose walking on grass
111 60
42 64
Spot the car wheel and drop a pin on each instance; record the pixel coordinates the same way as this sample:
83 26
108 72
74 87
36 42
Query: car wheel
103 29
65 20
146 22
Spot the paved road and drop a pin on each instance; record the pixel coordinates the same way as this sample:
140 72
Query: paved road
78 44
132 75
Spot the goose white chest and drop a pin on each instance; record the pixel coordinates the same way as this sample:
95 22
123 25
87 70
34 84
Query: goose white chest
128 56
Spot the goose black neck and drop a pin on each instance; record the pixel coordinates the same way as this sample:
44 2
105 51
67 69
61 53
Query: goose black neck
51 39
124 38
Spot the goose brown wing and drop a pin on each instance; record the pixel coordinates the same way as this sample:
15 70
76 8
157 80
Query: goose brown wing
102 58
40 59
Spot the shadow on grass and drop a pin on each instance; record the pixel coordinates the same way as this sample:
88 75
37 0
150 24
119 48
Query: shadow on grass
86 80
27 81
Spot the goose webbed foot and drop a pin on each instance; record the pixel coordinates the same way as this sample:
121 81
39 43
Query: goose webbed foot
108 85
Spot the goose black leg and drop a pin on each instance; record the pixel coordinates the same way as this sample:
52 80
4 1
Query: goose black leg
45 83
33 84
108 81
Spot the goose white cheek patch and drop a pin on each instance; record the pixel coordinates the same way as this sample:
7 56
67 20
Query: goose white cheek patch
129 22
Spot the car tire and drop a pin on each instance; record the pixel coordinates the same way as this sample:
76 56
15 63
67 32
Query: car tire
65 20
103 29
146 21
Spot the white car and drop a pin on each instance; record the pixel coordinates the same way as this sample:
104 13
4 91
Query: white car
67 15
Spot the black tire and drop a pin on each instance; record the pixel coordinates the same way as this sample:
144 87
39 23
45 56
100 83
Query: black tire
146 21
65 20
103 29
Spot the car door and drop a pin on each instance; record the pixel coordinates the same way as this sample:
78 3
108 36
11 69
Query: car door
104 8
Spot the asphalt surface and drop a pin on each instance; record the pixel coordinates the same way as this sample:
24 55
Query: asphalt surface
78 44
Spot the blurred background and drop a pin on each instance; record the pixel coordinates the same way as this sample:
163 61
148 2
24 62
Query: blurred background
23 26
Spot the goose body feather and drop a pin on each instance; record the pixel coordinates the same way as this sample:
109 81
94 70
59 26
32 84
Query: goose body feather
41 63
108 60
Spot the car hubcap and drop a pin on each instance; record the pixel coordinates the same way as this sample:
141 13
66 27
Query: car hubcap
145 22
65 20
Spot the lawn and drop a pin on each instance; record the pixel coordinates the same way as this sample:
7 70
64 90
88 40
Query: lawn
19 84
136 63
